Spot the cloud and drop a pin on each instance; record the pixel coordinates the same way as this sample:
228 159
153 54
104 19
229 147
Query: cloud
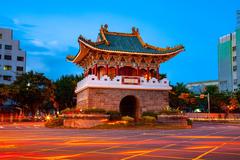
37 64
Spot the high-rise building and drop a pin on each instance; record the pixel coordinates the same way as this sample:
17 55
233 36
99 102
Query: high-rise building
12 58
229 59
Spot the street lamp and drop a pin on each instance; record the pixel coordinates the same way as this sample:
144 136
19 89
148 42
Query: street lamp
208 100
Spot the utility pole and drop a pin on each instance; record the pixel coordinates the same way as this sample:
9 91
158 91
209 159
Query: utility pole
208 99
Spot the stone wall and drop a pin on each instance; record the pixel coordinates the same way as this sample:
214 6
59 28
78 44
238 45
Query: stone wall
109 99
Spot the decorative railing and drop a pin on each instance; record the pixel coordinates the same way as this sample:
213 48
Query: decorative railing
92 81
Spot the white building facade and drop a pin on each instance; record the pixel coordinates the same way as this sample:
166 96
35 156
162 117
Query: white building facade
12 58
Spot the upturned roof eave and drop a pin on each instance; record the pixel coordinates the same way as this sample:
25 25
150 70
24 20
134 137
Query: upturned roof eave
122 52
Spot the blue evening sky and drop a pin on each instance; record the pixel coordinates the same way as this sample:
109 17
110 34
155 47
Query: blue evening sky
48 30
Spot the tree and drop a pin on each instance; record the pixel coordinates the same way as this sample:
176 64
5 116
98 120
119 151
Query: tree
180 88
211 89
180 97
65 87
32 91
162 76
4 93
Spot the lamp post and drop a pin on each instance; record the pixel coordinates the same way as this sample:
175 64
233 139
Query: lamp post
208 98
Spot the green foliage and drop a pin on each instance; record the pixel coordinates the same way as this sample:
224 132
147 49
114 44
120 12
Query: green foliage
170 111
55 122
114 115
189 122
94 111
64 92
4 93
180 88
128 119
32 90
66 110
150 113
162 76
211 89
175 101
148 119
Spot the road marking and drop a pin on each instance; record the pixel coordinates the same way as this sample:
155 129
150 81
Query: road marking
141 154
211 150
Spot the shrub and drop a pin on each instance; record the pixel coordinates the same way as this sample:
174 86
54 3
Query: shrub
66 110
189 122
55 122
114 115
149 119
169 111
94 110
150 113
26 120
128 119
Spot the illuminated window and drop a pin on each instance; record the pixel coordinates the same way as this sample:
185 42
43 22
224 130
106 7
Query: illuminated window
7 68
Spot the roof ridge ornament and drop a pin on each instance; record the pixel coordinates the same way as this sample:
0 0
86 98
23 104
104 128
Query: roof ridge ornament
103 29
135 31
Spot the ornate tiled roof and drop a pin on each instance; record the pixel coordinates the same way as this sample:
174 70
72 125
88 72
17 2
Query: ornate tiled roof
125 42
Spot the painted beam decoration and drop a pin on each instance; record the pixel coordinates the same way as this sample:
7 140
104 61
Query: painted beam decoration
121 54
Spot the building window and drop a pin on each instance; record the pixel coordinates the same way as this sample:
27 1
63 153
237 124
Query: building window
234 58
234 68
7 68
0 56
20 58
8 47
234 48
0 46
7 57
235 81
19 68
7 78
1 36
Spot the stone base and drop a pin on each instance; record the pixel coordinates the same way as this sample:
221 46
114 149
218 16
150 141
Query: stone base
81 123
174 120
110 98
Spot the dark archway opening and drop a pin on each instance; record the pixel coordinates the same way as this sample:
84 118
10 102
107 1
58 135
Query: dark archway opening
129 107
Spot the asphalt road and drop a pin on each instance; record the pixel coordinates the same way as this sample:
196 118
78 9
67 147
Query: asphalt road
204 141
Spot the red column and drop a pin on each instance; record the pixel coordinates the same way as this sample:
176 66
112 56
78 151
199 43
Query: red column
90 70
147 73
106 69
117 72
138 74
95 69
157 72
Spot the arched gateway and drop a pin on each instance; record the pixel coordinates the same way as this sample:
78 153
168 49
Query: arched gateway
129 106
121 73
